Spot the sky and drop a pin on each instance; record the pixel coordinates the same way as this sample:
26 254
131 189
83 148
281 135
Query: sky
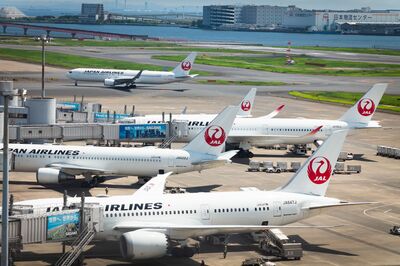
196 4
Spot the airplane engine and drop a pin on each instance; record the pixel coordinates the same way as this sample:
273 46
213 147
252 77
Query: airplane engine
52 176
109 82
141 244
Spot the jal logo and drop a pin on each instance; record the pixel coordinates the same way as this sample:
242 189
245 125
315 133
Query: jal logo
319 170
366 107
186 65
246 105
215 136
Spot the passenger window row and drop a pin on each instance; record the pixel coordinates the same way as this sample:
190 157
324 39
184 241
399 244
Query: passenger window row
90 158
232 210
150 213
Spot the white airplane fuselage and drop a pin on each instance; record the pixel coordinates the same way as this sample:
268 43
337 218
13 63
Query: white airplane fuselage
255 131
119 161
146 77
215 208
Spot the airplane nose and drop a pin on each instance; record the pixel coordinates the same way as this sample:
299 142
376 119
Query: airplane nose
69 74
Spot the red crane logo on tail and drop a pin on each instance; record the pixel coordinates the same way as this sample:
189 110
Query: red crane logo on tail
246 105
215 136
319 170
366 107
186 65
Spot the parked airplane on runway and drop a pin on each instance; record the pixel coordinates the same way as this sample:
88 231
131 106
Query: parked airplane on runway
265 130
149 223
129 78
56 164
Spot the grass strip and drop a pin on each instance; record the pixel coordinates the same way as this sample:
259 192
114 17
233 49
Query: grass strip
352 50
153 45
74 61
243 82
304 65
388 102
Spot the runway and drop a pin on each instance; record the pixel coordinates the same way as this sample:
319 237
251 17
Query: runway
300 82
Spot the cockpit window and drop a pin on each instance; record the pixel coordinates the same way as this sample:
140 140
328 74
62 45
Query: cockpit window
70 71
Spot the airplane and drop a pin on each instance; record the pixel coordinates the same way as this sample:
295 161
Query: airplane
150 222
248 132
246 107
117 78
55 164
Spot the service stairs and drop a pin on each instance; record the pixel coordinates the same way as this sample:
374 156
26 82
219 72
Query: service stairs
166 143
83 239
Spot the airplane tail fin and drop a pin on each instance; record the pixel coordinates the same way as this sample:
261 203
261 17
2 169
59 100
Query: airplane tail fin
360 114
184 67
314 175
247 103
212 138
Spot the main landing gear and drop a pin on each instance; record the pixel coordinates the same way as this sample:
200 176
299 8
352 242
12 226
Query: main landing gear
143 179
76 83
92 181
245 154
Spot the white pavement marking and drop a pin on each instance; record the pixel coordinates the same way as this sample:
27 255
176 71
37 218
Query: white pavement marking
380 218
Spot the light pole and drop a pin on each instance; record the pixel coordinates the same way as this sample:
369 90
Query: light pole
44 39
7 91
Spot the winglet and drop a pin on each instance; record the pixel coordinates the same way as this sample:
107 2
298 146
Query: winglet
154 187
273 113
314 131
138 75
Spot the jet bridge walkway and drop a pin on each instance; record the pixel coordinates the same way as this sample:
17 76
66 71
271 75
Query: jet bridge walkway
74 224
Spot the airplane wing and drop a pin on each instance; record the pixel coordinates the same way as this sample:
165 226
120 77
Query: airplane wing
127 79
222 159
186 231
154 187
74 169
202 165
188 76
259 138
340 204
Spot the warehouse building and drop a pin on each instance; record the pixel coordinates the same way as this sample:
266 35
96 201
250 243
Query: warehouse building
11 12
264 15
331 20
225 15
91 13
214 16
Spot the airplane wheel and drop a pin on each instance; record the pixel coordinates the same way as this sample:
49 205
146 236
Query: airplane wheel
245 154
101 179
89 184
85 184
188 252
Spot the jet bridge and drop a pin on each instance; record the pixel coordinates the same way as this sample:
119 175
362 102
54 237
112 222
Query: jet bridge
75 225
101 132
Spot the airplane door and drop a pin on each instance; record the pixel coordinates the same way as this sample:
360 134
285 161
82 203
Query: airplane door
266 129
277 209
205 212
